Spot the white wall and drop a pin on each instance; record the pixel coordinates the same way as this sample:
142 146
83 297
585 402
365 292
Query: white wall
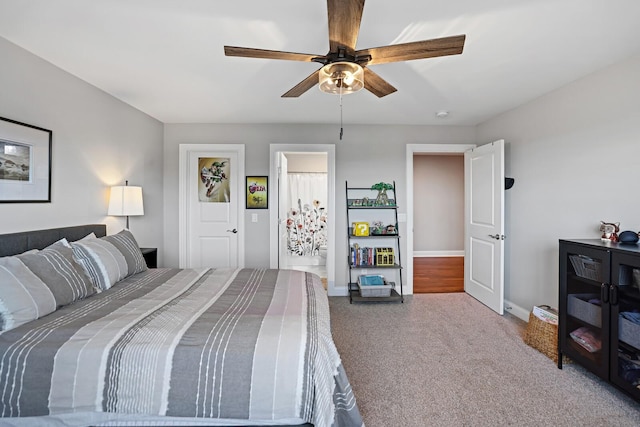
438 203
366 155
98 141
574 155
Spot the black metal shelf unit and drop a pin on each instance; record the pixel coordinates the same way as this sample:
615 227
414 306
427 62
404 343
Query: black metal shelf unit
373 242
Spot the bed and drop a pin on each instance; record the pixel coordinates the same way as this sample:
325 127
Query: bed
161 346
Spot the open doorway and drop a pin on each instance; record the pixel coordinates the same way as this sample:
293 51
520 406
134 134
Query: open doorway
484 218
414 150
303 235
307 217
438 222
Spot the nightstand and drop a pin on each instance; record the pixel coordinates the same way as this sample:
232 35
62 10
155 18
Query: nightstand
150 256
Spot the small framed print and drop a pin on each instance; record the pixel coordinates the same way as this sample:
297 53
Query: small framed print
25 163
257 192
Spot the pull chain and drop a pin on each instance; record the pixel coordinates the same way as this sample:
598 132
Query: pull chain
341 129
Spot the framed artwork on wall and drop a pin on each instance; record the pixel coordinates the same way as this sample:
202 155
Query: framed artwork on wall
213 179
25 162
257 192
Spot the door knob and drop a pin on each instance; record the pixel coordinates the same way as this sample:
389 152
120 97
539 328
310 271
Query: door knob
497 236
234 231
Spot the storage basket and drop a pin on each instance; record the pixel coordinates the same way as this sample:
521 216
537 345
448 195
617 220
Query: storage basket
542 336
578 306
371 280
376 290
586 267
628 331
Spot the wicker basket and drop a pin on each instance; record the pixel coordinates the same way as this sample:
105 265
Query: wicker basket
542 336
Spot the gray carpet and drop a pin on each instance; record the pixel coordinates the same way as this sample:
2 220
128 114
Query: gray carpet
447 360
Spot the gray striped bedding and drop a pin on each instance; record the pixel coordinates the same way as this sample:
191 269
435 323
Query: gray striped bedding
181 347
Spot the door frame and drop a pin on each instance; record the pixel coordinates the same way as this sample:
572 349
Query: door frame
330 150
413 149
183 205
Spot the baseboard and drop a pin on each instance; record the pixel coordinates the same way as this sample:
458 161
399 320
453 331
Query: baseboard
433 254
516 310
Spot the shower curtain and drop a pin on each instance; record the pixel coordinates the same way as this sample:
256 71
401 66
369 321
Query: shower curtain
307 219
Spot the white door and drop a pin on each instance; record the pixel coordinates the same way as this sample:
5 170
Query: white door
484 224
211 205
283 207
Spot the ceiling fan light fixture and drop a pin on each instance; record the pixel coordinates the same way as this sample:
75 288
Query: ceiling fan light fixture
341 78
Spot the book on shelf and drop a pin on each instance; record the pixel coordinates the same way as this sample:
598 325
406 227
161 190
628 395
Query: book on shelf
362 256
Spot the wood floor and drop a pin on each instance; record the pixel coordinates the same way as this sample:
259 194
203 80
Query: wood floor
438 274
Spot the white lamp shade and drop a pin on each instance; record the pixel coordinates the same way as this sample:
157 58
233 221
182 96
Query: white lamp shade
126 201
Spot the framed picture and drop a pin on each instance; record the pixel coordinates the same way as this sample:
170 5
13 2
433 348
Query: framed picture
213 179
25 163
257 192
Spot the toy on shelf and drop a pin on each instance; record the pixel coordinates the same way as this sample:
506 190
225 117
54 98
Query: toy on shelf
609 231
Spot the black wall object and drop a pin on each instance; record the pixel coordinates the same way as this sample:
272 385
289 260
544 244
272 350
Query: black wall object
508 183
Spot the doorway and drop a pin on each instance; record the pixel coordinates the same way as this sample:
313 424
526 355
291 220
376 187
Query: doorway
484 185
438 268
438 222
304 204
303 235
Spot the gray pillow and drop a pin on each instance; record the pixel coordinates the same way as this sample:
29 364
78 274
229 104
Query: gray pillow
109 259
34 284
127 245
57 268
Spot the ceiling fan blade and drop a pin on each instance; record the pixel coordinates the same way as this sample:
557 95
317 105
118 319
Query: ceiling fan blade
344 24
376 84
248 52
303 86
414 50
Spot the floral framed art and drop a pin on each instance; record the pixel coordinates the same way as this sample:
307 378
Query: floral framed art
25 162
257 192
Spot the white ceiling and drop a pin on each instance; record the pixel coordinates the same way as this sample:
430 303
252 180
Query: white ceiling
165 57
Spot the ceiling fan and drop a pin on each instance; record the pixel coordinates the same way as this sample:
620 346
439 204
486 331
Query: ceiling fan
345 69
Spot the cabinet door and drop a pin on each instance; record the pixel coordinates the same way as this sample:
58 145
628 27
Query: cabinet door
625 322
584 306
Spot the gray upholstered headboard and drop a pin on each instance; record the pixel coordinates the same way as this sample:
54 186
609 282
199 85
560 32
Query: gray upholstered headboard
16 243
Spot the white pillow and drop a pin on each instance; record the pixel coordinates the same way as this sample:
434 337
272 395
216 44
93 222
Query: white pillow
23 296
